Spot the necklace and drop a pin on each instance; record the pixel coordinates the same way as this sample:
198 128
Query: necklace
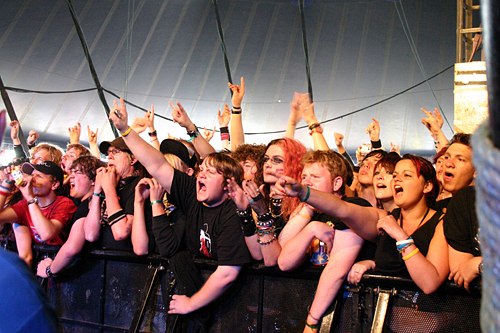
421 221
48 204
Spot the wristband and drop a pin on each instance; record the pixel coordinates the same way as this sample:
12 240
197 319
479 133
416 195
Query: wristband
411 254
154 133
224 129
308 193
156 202
193 134
127 132
313 126
49 272
312 326
100 195
376 144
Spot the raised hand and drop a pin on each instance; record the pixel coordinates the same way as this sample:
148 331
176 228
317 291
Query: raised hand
255 197
373 130
142 190
238 92
236 193
119 115
32 137
208 134
150 118
339 137
14 131
92 135
432 121
224 117
74 133
139 124
180 116
395 148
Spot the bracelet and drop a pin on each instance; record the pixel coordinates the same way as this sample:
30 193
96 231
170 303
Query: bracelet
312 326
265 243
224 136
194 133
244 213
411 254
401 245
313 126
4 193
49 272
224 129
8 189
308 193
154 133
100 195
263 232
156 202
127 132
10 182
235 111
309 313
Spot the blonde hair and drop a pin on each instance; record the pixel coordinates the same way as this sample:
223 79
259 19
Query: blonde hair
176 162
55 152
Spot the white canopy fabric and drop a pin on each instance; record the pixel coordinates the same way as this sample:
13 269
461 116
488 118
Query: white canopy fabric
156 51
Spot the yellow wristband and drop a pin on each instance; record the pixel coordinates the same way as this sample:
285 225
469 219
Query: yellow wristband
127 132
411 254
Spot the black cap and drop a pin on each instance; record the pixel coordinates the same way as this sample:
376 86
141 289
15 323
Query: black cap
174 147
117 143
47 167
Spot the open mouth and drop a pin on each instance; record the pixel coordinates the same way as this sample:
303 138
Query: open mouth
201 187
447 176
398 189
381 186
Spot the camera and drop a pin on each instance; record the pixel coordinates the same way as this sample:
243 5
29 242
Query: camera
17 175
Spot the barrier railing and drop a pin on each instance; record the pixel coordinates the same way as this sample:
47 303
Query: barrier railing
106 291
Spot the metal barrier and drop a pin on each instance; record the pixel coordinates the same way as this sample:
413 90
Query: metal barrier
118 292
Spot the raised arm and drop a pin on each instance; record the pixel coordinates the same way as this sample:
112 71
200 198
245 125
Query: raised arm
151 158
236 125
180 116
74 133
373 131
315 129
150 124
223 118
94 148
362 220
434 123
294 117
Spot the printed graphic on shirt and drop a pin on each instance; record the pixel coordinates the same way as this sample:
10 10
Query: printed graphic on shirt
205 242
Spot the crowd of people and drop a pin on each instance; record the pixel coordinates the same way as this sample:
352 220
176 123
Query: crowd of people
279 203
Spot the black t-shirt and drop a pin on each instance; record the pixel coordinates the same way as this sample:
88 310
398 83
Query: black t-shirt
126 192
441 205
368 249
337 223
213 232
388 260
461 227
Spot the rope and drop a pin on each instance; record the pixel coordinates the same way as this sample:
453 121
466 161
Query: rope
486 158
93 72
306 50
222 44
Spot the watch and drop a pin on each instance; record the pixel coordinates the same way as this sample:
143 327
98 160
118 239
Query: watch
480 268
49 272
32 201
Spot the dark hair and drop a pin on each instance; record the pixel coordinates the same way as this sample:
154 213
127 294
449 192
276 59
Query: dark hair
388 162
426 170
227 166
248 152
88 164
376 152
439 154
462 138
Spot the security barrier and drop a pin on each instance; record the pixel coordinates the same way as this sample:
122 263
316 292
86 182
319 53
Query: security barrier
119 292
